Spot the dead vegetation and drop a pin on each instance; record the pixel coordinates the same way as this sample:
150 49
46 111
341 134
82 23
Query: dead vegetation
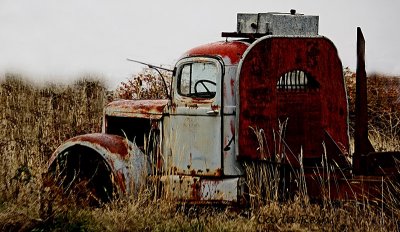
35 120
147 84
383 108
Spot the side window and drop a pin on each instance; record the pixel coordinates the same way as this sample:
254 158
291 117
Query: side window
198 80
297 80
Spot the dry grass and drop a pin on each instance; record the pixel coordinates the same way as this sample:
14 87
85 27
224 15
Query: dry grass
383 109
35 120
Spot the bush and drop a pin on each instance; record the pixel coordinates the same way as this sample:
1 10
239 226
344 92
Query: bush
147 84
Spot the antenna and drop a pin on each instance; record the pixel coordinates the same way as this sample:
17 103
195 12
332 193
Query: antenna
157 69
150 65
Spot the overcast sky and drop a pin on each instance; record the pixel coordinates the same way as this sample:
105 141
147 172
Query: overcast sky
63 39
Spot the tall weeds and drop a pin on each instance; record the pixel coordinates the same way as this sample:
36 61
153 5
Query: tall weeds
35 120
383 109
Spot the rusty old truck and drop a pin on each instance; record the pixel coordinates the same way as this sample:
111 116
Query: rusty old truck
271 93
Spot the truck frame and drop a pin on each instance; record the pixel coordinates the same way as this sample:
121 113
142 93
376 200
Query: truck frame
271 94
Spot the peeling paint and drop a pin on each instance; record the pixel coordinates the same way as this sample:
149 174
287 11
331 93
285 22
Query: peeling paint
137 108
124 158
231 52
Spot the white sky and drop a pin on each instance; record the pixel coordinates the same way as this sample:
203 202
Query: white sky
63 39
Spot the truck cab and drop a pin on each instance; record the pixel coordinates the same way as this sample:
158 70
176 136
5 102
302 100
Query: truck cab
200 126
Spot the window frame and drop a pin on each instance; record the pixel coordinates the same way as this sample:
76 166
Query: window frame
198 59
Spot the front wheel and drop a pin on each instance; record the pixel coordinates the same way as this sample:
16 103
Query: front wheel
84 176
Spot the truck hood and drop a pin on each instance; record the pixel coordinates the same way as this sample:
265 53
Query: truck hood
151 109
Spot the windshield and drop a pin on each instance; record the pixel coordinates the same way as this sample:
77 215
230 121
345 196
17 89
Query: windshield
198 79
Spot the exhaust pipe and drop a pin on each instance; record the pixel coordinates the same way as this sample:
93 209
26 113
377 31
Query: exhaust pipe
362 145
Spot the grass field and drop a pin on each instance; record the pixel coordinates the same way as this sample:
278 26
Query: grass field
36 119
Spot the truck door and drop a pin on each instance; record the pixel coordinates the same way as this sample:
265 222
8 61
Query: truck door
195 117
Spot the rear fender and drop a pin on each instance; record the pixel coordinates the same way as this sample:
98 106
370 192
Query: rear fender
126 161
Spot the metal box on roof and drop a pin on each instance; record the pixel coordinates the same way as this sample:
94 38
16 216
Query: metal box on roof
247 23
277 24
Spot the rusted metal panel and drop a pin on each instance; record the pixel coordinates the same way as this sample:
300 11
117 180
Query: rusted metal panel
194 124
115 144
202 190
231 166
228 189
362 145
339 187
231 52
182 187
195 145
309 112
229 90
193 107
126 161
152 109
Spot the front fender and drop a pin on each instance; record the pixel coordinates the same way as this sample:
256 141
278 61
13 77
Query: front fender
126 161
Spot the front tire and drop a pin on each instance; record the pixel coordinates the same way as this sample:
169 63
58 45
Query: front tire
84 176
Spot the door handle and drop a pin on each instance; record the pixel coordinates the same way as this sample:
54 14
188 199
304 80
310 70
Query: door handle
213 112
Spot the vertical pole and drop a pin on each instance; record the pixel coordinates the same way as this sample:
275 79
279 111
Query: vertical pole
362 145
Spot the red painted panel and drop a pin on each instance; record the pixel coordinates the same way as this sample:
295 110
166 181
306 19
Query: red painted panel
233 50
311 113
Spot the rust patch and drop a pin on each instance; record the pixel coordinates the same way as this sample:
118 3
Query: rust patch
218 172
232 50
115 144
215 107
114 149
232 125
120 179
232 87
196 188
136 108
193 106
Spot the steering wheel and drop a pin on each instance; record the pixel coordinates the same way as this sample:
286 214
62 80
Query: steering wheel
210 94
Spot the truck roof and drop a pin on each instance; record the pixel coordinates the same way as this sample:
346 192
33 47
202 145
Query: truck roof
230 51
